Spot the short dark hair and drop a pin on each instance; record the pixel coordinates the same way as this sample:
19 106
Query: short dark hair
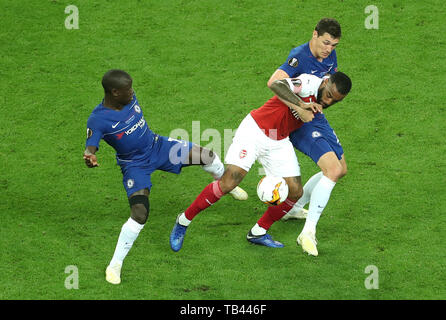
342 81
330 26
115 79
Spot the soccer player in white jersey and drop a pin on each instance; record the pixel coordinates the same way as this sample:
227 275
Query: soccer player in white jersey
263 136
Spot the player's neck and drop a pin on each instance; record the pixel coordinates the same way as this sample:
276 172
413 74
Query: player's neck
313 51
112 104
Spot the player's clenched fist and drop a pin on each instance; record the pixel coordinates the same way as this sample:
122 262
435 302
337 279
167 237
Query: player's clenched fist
90 160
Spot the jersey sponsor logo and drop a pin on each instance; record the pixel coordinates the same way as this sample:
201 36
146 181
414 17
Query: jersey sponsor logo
293 62
243 153
314 71
115 125
89 133
137 109
139 124
130 183
316 134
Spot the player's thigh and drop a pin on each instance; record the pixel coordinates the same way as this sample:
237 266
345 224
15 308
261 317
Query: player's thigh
172 155
280 160
136 178
330 165
244 149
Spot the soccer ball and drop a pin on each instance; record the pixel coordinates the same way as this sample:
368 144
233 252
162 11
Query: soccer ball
272 190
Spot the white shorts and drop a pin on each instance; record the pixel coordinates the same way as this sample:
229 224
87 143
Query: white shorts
250 143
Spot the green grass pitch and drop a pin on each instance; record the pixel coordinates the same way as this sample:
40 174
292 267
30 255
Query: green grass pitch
209 61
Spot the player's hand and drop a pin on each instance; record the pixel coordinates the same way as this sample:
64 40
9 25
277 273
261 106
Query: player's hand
313 106
91 160
305 115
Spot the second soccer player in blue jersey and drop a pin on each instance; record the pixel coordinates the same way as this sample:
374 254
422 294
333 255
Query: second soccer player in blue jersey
316 138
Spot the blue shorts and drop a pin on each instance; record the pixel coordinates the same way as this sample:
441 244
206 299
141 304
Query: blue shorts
167 154
316 138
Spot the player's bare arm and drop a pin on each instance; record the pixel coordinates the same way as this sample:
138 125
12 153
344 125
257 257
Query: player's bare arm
283 91
279 74
90 157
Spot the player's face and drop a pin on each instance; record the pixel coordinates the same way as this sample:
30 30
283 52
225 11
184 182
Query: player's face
324 44
124 95
329 95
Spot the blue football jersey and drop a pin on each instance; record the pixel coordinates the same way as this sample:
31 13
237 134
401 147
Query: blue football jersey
301 60
125 130
315 138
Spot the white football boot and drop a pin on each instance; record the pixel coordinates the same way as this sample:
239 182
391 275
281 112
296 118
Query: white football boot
238 193
113 273
295 214
308 242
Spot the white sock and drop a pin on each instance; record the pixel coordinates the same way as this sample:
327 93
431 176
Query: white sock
319 199
129 232
216 168
183 220
308 189
258 230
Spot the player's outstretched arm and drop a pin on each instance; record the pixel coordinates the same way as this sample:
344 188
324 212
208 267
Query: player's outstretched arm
90 157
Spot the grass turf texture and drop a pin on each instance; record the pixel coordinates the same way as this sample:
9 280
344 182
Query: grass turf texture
209 61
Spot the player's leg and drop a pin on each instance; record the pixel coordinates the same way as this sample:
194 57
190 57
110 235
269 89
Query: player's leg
316 148
139 206
211 163
281 161
319 190
137 183
319 194
240 157
209 196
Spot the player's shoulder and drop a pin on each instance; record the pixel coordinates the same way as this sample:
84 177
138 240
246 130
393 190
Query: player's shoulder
300 51
97 115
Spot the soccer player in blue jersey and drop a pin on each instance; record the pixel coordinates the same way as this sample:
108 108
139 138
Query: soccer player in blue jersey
119 121
316 138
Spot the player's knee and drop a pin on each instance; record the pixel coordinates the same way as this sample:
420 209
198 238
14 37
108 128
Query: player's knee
343 172
231 179
201 155
335 172
139 206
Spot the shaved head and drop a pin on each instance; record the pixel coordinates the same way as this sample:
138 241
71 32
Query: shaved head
115 79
